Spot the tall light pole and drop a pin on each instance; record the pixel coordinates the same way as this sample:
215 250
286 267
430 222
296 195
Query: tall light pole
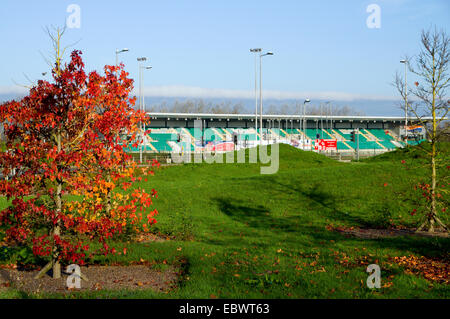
304 114
260 93
331 117
117 54
143 67
256 51
141 99
143 109
405 62
328 115
321 120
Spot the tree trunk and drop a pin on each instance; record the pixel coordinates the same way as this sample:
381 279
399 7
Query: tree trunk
431 217
57 230
108 195
433 214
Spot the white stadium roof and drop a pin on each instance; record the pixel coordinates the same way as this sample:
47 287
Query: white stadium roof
191 116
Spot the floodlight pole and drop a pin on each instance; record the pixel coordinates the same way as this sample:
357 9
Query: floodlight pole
260 100
327 110
255 51
321 120
117 54
357 144
260 94
140 60
143 110
304 117
331 116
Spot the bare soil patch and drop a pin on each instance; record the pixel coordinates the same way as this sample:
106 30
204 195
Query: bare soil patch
148 238
372 233
133 277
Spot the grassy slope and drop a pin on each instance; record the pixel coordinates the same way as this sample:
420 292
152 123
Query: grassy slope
265 236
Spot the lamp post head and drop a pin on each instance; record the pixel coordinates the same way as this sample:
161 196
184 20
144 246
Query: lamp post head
403 61
307 101
267 53
256 50
123 50
142 59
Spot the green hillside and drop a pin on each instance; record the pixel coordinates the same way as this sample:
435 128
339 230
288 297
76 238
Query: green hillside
247 235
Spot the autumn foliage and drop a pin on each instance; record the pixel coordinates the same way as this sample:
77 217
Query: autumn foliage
70 181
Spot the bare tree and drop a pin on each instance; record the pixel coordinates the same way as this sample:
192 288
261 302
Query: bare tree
431 65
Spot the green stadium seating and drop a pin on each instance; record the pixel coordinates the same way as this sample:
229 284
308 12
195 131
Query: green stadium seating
311 133
161 136
341 146
347 136
388 144
380 134
292 131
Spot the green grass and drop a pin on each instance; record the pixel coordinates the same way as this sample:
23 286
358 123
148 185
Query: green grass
247 235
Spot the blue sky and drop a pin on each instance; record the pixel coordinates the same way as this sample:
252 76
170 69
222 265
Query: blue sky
323 49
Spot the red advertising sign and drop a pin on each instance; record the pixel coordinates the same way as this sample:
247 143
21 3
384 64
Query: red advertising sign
325 145
219 147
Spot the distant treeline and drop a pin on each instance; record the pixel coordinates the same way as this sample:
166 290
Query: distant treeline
201 106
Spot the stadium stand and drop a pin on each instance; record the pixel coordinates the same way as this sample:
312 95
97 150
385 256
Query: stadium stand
159 138
376 133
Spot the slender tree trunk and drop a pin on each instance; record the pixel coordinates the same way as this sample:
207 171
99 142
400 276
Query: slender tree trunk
432 218
57 230
433 159
433 214
108 195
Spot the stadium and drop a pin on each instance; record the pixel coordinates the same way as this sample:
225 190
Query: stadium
188 132
226 195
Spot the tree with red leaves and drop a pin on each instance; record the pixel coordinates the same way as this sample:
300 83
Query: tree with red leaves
62 139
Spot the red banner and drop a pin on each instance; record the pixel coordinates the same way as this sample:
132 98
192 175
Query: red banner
325 145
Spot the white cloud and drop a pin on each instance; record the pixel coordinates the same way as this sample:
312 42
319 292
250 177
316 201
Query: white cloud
199 92
13 90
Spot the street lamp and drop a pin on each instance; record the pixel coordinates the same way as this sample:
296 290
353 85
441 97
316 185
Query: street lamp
142 67
256 51
260 92
405 62
140 60
117 54
141 98
321 120
304 114
328 114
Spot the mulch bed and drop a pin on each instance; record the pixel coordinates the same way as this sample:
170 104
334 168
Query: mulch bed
138 275
132 277
148 238
370 233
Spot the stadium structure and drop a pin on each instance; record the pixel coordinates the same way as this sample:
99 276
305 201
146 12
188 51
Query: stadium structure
178 132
